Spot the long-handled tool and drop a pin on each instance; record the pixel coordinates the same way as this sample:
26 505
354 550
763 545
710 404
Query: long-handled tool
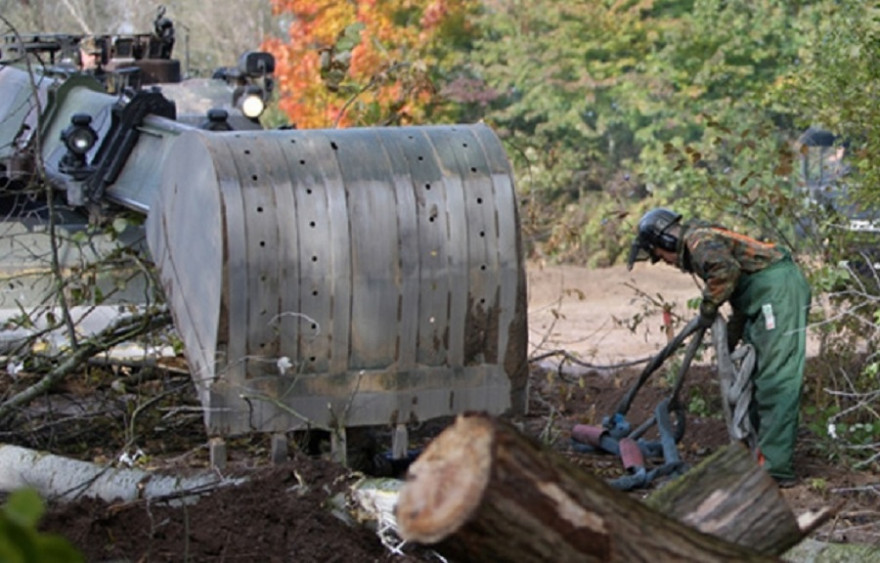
616 435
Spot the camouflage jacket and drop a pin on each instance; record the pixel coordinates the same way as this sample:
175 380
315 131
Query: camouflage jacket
720 257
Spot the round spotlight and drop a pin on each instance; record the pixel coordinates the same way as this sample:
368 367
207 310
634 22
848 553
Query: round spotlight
80 141
79 137
252 106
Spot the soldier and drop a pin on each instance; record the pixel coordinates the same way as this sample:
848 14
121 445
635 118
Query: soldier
770 299
91 54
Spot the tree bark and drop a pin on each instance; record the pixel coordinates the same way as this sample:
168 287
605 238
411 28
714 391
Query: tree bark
729 496
481 491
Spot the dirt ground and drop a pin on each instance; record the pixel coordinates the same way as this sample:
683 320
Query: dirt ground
590 334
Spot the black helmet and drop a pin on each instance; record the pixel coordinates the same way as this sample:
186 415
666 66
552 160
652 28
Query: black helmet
652 234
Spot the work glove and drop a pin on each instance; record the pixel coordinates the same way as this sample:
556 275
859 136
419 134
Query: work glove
708 312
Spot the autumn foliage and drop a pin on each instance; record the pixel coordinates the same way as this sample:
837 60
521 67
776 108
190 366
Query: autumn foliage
364 62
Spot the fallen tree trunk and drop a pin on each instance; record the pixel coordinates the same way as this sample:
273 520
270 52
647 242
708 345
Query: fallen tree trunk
481 491
64 479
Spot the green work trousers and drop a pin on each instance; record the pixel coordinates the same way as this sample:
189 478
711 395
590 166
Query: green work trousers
774 303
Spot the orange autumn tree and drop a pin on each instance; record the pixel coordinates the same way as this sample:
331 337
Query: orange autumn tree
366 62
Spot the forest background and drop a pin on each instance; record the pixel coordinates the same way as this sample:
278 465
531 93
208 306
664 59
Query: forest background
607 108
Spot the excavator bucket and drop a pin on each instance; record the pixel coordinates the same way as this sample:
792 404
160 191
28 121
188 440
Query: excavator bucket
319 278
346 277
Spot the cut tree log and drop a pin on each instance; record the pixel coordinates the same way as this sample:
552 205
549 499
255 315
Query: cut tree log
481 491
729 496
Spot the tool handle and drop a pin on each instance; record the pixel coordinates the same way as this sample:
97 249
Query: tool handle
657 361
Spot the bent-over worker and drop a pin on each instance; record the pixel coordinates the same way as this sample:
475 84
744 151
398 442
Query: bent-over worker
770 300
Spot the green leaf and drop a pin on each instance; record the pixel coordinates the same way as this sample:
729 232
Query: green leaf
24 507
350 38
120 224
20 542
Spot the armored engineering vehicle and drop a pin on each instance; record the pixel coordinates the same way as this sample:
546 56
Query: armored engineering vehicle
330 279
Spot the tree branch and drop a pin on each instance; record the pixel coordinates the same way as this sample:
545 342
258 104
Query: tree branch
122 330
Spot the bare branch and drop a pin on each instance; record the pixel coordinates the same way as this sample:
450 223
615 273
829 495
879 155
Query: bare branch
123 330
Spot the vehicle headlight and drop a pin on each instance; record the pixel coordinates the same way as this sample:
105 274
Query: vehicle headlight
79 137
252 106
